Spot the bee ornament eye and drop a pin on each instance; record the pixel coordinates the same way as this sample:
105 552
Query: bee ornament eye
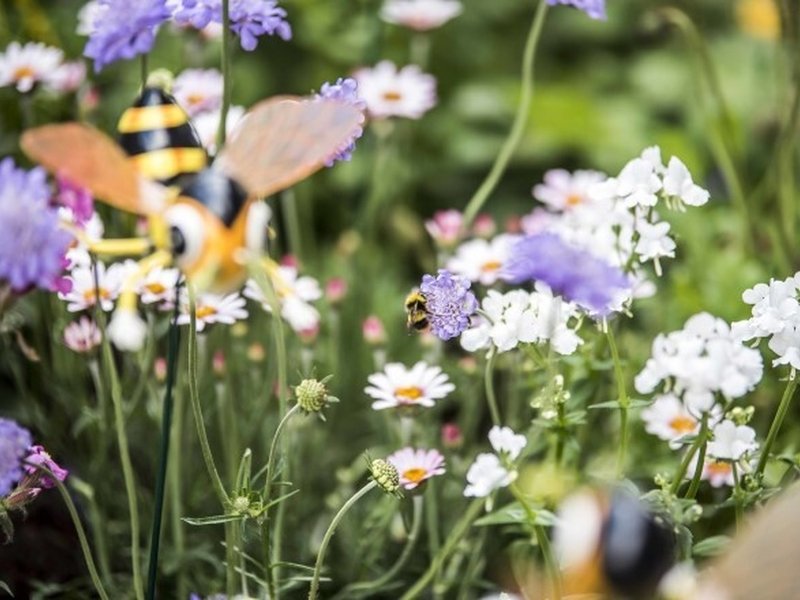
187 233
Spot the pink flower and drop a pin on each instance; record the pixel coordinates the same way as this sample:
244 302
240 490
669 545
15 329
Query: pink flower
445 227
38 456
336 289
373 331
416 466
484 226
82 336
451 435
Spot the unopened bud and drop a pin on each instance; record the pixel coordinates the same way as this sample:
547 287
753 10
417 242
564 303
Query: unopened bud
385 475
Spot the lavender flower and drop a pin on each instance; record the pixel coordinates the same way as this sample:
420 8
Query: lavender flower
575 274
32 246
596 9
38 456
14 444
450 303
249 18
345 90
124 29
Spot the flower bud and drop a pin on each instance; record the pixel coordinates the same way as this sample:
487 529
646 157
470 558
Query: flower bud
484 226
335 290
255 352
312 395
385 475
127 330
373 331
218 363
160 369
452 436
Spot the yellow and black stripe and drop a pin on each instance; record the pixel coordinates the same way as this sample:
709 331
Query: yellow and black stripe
158 136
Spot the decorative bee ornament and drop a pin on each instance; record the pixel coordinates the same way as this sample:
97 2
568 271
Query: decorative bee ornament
204 218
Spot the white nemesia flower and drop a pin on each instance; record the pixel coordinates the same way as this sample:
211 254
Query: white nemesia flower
398 386
295 295
486 475
654 241
732 441
207 123
213 308
523 317
420 15
718 473
482 260
678 182
563 191
25 66
198 91
408 93
415 466
668 419
84 293
504 440
82 335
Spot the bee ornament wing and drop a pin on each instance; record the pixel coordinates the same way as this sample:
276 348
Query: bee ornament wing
283 140
761 562
91 159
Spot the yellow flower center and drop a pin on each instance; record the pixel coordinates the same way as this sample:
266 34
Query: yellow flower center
491 266
574 199
155 288
23 73
90 297
682 424
408 394
205 311
392 96
193 99
415 475
719 468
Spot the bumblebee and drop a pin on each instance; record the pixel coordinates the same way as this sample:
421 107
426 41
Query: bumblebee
416 306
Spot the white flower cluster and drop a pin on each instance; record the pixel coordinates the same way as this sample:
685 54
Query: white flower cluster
492 471
732 446
776 314
524 317
616 218
37 64
704 358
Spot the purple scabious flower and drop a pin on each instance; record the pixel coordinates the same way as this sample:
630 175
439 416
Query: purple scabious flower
250 19
32 246
344 90
76 198
14 444
450 303
38 456
124 29
570 272
596 9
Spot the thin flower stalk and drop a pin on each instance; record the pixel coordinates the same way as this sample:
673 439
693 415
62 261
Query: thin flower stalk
312 594
624 402
780 415
553 571
520 120
687 460
225 64
701 458
488 382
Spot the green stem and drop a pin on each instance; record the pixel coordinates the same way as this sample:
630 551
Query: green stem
76 521
225 64
624 402
312 593
684 466
144 70
163 461
127 467
459 531
488 383
553 572
783 408
701 459
292 218
265 528
197 409
175 497
520 120
737 498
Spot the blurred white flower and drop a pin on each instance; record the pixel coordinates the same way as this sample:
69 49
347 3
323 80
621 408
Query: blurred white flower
85 293
504 440
388 92
654 241
25 66
578 529
396 385
207 123
415 466
295 294
213 308
88 16
127 330
563 191
732 441
482 260
82 335
486 475
198 91
420 15
678 182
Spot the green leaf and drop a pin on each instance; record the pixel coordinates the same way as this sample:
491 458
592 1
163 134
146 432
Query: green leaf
712 546
213 520
615 405
514 513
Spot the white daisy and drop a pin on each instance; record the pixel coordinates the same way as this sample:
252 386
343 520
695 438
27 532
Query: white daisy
563 190
416 466
486 475
84 293
214 308
198 90
398 386
25 66
158 286
668 419
420 15
295 294
388 92
206 125
82 335
482 260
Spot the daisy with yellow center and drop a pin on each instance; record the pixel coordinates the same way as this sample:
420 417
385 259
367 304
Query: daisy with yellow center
25 66
86 292
482 260
415 466
397 385
214 308
198 90
158 287
392 92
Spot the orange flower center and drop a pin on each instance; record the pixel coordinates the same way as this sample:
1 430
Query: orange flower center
574 199
492 265
392 96
408 394
155 288
719 468
683 424
415 475
90 297
193 99
23 73
205 311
